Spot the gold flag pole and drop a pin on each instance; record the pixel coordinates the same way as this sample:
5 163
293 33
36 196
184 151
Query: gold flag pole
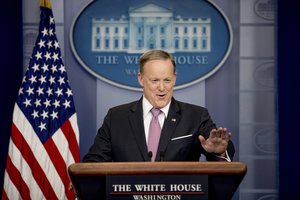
45 3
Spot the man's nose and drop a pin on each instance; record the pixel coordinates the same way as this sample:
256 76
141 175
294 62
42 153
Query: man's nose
161 85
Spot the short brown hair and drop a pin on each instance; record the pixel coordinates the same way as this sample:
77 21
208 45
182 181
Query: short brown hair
155 55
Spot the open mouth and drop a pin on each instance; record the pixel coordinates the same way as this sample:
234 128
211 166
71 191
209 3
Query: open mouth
161 95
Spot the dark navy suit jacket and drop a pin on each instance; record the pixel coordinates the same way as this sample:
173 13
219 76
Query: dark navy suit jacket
122 137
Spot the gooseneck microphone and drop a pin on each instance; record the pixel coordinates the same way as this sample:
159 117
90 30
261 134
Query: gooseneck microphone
150 154
161 156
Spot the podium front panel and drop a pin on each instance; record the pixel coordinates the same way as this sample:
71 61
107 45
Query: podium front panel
219 180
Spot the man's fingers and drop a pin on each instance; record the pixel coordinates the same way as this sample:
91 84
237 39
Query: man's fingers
202 139
224 134
213 133
228 136
220 132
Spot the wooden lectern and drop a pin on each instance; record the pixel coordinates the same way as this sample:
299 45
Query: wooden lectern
157 180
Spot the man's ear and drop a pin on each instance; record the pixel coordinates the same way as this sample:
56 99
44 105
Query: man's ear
140 79
175 79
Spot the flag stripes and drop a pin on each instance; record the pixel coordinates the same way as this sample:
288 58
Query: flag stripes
39 174
49 153
15 174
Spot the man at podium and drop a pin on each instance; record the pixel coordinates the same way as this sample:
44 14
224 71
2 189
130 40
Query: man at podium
157 127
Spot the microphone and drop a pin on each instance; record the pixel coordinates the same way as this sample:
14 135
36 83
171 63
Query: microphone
150 154
161 156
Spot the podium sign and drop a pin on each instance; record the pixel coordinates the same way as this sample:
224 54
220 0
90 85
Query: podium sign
141 187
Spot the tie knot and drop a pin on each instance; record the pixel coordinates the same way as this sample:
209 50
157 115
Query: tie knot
155 112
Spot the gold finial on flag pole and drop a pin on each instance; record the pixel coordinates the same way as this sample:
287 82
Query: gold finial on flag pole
45 3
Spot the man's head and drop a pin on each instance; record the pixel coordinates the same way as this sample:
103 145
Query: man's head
157 76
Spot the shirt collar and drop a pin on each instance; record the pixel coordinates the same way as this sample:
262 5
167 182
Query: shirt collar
147 107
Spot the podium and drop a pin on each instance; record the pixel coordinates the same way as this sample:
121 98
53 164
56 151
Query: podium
157 180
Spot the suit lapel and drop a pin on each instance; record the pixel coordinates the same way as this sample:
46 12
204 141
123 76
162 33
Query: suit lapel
169 127
137 125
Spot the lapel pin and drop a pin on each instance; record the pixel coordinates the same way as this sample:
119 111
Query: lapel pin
173 120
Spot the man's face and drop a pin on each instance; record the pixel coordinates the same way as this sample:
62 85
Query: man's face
158 80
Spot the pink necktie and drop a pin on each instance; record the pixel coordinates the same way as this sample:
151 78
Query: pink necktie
154 133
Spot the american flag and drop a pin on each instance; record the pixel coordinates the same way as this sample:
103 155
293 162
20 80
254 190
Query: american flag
44 137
